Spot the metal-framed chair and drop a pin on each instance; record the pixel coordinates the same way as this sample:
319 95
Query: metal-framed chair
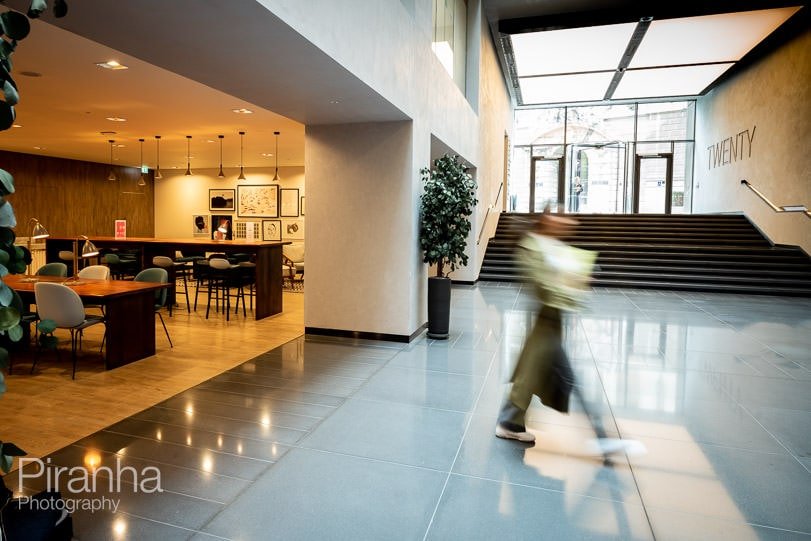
53 269
64 307
158 276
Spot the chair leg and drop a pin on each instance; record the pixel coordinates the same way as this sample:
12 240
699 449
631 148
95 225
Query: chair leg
186 292
73 340
165 329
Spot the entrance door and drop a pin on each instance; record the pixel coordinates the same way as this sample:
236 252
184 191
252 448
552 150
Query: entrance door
596 181
546 183
653 184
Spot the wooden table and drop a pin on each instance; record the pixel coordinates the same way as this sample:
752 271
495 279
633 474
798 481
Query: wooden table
267 255
129 309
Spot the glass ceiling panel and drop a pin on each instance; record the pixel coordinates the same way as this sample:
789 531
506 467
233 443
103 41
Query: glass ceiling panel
573 50
658 82
565 88
709 38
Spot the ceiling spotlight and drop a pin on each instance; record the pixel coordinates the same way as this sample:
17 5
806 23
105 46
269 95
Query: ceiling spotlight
111 176
188 155
16 125
242 111
112 65
158 175
221 174
116 119
276 175
241 173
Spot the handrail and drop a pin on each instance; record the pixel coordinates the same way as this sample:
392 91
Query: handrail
489 208
784 208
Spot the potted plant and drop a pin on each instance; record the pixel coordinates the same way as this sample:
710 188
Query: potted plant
446 205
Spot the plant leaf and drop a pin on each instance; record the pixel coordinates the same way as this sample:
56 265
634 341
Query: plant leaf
6 182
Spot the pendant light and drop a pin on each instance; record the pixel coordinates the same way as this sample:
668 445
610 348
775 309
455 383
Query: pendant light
241 173
111 176
221 174
158 175
188 155
142 181
276 176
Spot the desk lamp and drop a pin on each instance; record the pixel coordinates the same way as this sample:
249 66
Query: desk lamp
88 250
37 233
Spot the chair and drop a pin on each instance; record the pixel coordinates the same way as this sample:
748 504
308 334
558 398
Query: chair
95 272
120 269
66 256
293 264
157 275
180 271
223 276
53 269
64 307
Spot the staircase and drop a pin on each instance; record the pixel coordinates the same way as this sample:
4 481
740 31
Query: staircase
694 252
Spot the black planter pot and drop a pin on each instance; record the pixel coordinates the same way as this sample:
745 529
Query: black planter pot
439 307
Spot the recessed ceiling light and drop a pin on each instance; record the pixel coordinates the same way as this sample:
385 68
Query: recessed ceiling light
108 132
209 140
267 154
334 101
16 125
120 146
242 111
112 65
116 119
39 148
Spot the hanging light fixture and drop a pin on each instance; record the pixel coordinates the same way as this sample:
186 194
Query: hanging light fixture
221 174
142 181
241 173
111 176
158 175
276 176
188 155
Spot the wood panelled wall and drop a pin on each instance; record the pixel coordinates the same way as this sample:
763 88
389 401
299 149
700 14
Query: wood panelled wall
71 197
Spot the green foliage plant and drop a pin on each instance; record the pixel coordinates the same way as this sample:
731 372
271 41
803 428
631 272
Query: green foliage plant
446 205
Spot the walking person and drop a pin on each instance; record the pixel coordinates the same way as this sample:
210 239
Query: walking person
559 276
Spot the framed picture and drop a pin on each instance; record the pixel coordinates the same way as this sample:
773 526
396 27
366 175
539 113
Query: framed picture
222 227
259 201
302 205
271 230
221 199
200 225
293 229
289 202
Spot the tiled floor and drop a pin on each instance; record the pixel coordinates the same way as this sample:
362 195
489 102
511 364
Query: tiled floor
333 439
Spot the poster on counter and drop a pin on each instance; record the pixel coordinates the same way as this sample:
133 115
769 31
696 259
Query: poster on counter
121 229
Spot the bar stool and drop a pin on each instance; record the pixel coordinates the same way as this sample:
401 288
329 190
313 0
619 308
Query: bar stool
223 276
66 256
177 271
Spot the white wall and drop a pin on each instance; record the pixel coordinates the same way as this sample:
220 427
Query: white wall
179 197
361 246
773 99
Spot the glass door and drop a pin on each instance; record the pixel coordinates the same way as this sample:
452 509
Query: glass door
596 182
653 184
545 183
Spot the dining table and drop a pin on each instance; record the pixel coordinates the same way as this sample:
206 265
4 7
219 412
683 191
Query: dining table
129 311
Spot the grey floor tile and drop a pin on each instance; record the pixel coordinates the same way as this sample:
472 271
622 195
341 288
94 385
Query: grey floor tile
256 414
674 526
431 389
454 360
791 427
400 433
283 393
771 490
196 394
225 443
317 495
115 526
559 457
481 509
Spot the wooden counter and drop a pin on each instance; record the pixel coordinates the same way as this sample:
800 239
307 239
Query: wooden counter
267 256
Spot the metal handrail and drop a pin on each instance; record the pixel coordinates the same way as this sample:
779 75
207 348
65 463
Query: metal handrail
489 208
784 208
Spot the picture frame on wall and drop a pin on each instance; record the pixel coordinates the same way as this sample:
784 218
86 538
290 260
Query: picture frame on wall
271 230
221 199
289 203
302 205
225 221
258 201
201 225
293 229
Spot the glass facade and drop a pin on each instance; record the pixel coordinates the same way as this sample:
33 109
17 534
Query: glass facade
605 159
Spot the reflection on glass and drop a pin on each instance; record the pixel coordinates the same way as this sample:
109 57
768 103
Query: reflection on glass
539 126
596 181
665 121
600 124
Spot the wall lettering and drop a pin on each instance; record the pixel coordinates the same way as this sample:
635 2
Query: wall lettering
731 149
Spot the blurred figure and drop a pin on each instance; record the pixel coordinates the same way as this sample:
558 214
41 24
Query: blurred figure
559 275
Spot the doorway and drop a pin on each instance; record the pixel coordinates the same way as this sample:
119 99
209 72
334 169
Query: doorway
653 184
546 183
596 182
